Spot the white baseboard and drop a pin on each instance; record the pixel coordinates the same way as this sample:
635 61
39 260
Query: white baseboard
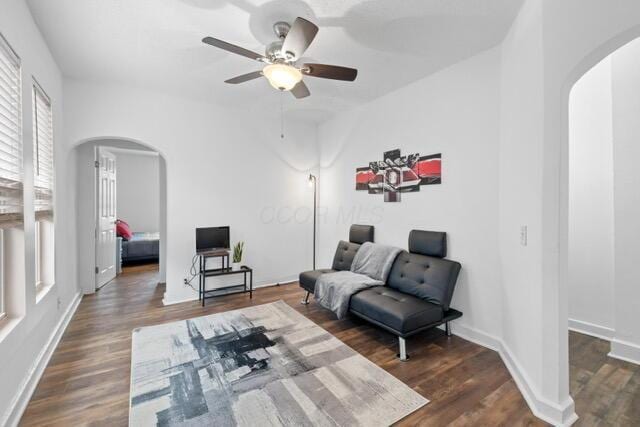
624 350
556 414
476 336
284 281
591 329
167 301
28 386
620 349
559 415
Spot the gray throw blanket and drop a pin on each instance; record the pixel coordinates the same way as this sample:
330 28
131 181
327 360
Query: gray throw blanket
374 260
371 266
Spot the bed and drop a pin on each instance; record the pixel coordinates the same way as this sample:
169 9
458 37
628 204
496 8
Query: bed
141 247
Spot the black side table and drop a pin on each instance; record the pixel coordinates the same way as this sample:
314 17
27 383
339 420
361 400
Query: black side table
224 271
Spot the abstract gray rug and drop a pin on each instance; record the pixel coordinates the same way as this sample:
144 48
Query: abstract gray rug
259 366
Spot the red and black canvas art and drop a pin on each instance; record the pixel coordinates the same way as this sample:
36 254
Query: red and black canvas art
396 174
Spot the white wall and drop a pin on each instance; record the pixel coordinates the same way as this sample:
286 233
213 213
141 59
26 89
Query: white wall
541 62
138 189
224 167
454 112
626 154
24 338
591 251
520 179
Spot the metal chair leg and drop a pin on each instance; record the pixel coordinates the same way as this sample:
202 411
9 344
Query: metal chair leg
305 300
403 349
447 329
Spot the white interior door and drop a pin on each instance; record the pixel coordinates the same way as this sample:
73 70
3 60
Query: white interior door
106 217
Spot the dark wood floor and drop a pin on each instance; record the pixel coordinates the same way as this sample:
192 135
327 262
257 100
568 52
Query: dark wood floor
87 380
606 390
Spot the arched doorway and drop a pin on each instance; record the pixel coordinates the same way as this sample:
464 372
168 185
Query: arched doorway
98 263
586 66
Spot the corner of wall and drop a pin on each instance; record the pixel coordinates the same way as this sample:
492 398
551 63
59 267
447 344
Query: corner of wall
559 415
556 414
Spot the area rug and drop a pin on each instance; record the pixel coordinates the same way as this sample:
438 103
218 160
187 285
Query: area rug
266 365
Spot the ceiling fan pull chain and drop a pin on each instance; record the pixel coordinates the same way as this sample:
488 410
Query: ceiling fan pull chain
282 114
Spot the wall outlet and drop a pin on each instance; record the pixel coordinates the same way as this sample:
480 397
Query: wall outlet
523 235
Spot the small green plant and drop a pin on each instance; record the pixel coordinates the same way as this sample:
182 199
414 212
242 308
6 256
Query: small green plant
237 251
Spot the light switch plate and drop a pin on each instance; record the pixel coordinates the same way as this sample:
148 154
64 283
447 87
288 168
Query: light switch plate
523 235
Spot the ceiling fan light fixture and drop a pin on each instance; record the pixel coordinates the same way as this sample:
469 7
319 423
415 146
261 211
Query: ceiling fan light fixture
282 76
282 63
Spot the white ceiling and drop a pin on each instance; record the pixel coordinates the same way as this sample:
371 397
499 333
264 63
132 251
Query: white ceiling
157 44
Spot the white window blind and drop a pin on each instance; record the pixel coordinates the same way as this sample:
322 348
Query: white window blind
42 153
11 208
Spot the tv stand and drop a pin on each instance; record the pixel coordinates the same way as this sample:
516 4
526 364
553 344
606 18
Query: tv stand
216 253
204 294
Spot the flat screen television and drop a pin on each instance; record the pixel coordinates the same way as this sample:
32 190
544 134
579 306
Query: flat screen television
212 238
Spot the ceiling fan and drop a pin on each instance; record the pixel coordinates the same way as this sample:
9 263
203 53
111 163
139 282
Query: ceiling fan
281 56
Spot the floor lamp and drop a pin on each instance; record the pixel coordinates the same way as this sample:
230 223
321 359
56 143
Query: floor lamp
313 182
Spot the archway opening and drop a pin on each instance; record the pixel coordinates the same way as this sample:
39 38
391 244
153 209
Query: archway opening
121 209
600 214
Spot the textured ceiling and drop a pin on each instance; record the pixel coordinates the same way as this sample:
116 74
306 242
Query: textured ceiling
156 44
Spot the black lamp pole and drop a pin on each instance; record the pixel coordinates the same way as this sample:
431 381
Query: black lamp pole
314 181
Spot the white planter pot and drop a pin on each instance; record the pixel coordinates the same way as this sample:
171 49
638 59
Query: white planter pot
235 266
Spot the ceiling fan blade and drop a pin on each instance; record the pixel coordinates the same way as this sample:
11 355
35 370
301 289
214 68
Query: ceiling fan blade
334 72
233 48
244 78
300 90
299 38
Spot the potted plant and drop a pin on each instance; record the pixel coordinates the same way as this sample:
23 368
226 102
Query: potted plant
237 255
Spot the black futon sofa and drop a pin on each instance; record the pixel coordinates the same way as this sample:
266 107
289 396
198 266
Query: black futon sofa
418 290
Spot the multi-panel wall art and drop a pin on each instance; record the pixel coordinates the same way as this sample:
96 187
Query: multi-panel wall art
397 174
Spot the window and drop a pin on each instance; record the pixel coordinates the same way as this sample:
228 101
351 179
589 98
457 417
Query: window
43 185
42 153
11 208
